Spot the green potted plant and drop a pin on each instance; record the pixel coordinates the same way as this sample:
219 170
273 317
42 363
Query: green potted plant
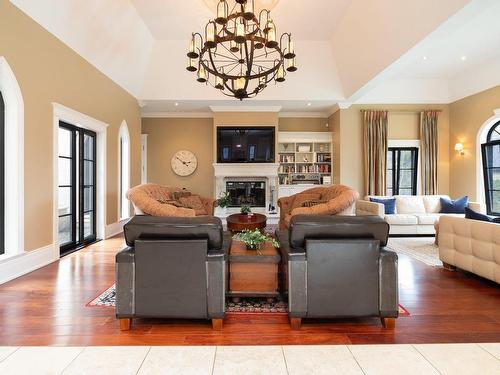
224 200
253 239
246 209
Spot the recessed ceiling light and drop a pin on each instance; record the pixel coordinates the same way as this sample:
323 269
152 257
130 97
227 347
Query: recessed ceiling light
463 58
309 104
424 57
176 104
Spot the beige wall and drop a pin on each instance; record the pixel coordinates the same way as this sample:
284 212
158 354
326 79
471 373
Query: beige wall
467 116
286 124
166 137
48 71
403 125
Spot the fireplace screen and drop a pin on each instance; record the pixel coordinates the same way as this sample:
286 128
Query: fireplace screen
251 193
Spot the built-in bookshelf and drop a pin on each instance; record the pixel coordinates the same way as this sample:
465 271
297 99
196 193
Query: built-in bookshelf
304 153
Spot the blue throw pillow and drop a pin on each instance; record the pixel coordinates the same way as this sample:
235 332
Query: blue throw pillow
389 204
458 206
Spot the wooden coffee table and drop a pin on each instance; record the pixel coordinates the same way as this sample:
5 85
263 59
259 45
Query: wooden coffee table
253 273
241 222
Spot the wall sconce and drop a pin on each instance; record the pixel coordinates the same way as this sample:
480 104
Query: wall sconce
459 147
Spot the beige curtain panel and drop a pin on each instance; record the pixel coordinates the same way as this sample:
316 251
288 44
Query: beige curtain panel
375 146
429 145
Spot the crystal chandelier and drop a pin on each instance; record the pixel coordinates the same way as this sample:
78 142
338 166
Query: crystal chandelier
239 53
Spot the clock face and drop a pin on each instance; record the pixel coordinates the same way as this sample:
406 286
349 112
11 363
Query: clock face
184 163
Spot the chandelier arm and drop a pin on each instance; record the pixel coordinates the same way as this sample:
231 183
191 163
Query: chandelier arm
227 73
227 57
249 64
281 39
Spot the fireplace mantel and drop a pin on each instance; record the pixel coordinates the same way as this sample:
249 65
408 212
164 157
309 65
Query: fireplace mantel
246 169
250 171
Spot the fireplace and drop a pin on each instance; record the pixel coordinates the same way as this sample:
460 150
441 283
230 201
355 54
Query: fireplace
251 193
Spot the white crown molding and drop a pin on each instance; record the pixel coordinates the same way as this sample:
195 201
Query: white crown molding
177 115
246 109
303 115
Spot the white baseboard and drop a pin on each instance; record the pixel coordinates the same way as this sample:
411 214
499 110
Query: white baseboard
115 228
19 265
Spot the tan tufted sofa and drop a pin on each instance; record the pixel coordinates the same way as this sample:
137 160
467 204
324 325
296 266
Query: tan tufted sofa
470 245
336 200
150 199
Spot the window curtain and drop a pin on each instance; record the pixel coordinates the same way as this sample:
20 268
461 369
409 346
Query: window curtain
429 144
375 146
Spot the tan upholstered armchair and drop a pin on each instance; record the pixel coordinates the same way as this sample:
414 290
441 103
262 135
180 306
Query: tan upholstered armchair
158 200
330 200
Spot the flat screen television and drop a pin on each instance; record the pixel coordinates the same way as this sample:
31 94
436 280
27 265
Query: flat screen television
245 144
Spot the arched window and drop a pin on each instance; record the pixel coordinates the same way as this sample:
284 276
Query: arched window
11 163
491 169
123 171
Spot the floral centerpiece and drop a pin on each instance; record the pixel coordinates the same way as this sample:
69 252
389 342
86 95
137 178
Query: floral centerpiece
253 239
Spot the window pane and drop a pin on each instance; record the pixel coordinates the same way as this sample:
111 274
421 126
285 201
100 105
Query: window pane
406 160
88 199
405 179
64 201
88 224
495 134
495 201
389 179
494 177
65 230
389 160
389 192
405 191
88 173
88 147
64 171
64 142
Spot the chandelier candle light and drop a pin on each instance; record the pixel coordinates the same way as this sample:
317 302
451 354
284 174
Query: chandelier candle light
239 53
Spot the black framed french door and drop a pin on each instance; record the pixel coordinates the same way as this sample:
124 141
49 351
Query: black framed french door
402 171
77 187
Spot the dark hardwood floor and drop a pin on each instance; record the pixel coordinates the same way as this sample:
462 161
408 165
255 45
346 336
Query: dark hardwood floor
48 307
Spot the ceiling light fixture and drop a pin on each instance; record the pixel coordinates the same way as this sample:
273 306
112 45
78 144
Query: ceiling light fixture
463 58
176 104
240 53
309 104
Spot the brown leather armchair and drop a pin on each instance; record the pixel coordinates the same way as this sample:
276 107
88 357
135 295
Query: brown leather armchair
323 200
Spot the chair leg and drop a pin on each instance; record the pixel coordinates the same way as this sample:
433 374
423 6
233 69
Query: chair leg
295 323
388 323
449 267
125 324
217 324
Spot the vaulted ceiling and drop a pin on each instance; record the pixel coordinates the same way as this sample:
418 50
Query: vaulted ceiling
348 50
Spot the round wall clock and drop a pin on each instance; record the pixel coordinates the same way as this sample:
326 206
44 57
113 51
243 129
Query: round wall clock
184 163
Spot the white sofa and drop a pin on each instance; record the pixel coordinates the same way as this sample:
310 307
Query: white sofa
415 214
470 245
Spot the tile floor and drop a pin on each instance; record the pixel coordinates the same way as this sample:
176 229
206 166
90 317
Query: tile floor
453 359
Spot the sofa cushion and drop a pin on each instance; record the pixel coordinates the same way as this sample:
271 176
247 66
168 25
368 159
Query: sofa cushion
449 206
194 202
410 204
389 204
151 227
427 219
432 203
304 227
401 219
302 198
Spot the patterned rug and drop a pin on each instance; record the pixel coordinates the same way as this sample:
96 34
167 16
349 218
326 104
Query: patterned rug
422 249
244 306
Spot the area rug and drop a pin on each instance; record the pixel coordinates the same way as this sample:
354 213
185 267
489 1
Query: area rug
422 249
244 306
